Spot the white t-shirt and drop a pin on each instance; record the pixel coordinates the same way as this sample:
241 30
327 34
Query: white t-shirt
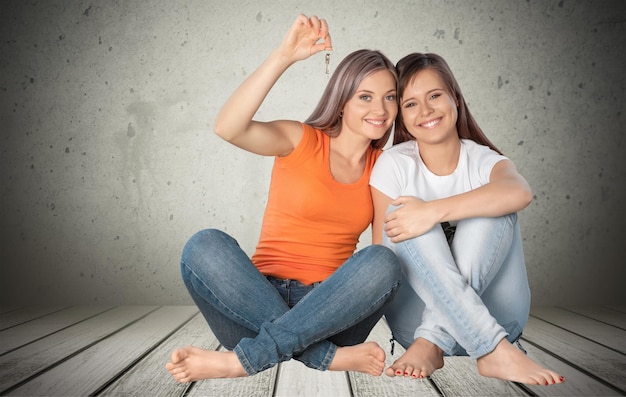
400 171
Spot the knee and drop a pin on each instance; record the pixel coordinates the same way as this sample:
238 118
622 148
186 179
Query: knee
201 245
383 261
488 223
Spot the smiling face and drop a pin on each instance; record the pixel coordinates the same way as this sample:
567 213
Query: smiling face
371 111
429 111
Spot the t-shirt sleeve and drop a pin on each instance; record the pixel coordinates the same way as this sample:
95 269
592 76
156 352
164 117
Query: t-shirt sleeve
387 175
485 159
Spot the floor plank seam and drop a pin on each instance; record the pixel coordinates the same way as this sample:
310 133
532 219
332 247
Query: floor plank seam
525 389
36 318
276 380
579 335
349 380
188 389
54 332
614 309
591 318
435 386
145 354
577 367
70 356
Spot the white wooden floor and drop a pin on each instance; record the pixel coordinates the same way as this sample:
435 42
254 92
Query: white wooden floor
121 351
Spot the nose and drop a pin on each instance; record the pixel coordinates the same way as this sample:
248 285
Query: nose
426 109
380 107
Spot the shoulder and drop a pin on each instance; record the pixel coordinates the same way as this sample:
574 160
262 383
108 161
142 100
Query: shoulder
305 138
478 151
480 160
404 149
397 159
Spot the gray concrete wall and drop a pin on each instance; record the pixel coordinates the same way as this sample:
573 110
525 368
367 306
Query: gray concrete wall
108 162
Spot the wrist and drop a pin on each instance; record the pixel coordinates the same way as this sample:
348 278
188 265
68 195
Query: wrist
438 208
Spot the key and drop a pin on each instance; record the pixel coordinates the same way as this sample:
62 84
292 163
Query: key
327 63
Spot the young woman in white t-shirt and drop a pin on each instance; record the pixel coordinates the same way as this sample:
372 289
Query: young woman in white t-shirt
445 201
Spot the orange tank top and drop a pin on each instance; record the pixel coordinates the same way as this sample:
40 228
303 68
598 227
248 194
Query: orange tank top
312 223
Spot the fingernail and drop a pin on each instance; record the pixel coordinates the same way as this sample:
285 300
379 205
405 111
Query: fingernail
562 378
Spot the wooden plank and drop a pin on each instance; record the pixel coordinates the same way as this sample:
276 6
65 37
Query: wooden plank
296 379
19 316
378 386
592 358
28 332
604 334
618 308
259 385
149 377
87 371
576 382
21 364
606 315
459 377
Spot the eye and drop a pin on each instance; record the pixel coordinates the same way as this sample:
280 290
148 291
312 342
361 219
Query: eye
409 105
435 96
391 97
365 97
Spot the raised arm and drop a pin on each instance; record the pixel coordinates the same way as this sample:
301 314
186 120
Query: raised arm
235 123
506 192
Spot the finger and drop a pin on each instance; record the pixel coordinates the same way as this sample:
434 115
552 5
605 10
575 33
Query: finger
302 20
400 200
328 43
396 239
325 35
315 24
390 216
318 47
394 235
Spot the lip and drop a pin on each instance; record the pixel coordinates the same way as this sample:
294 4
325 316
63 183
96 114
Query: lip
432 123
376 122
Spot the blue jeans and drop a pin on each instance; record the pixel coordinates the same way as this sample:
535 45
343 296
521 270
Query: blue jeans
248 314
470 294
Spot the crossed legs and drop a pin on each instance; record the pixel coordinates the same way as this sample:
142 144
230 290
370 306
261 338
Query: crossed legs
249 316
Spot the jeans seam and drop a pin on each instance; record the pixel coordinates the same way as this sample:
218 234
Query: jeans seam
220 305
493 255
384 297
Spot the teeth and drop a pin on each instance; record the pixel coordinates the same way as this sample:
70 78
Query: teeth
431 123
375 122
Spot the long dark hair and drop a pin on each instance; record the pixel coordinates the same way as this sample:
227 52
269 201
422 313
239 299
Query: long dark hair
350 72
466 126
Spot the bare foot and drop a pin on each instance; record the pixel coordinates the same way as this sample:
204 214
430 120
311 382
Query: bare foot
192 363
509 363
366 357
420 360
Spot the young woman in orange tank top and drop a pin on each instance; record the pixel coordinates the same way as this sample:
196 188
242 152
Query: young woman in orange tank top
305 294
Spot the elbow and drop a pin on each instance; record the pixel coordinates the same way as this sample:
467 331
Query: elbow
220 131
526 197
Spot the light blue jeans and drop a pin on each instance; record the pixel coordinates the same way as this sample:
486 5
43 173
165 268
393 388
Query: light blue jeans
470 293
248 314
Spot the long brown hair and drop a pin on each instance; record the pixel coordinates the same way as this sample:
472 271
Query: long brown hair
350 72
466 126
